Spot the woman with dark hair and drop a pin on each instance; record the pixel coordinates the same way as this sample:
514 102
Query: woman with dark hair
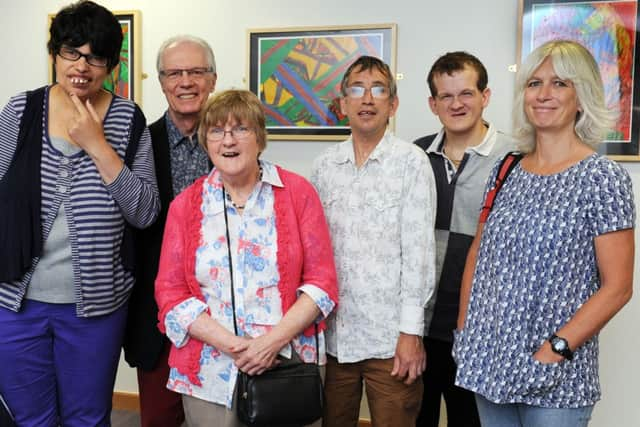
76 171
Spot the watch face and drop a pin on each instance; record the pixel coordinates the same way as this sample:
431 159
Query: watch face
559 344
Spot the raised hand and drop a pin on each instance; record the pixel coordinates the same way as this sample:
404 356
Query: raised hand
85 129
85 126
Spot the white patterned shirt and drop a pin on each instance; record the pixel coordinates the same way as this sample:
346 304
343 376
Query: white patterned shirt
381 218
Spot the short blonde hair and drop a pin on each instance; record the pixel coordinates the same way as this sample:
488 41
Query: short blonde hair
239 105
571 61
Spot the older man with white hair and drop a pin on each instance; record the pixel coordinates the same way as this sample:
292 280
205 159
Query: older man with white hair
187 73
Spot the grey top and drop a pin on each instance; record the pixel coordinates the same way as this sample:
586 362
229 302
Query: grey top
52 280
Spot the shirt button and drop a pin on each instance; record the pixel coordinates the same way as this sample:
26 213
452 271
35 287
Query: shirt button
62 189
64 161
64 174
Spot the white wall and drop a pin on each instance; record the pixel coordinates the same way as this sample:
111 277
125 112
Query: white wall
426 29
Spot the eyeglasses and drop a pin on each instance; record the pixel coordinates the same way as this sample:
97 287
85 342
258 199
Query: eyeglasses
72 54
464 96
378 92
194 73
240 133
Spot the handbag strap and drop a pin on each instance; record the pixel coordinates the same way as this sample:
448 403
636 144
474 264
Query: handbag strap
233 298
506 166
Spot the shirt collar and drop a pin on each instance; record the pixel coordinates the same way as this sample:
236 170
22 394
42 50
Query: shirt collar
270 174
482 149
176 137
213 186
346 154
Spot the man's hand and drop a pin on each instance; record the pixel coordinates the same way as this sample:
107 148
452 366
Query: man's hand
410 359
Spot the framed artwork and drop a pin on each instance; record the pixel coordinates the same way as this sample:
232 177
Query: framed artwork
609 29
296 73
126 78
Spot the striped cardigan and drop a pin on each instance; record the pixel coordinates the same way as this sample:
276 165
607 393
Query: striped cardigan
98 211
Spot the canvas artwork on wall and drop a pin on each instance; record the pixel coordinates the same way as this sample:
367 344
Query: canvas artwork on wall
609 29
125 79
296 73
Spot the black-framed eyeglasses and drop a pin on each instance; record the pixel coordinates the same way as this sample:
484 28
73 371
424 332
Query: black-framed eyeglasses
378 92
72 54
194 73
240 133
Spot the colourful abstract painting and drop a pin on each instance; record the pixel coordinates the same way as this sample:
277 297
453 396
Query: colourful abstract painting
608 30
297 76
118 82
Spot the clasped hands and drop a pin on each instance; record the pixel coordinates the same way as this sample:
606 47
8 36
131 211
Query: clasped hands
255 355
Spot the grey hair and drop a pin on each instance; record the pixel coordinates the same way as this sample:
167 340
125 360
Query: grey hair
571 61
185 38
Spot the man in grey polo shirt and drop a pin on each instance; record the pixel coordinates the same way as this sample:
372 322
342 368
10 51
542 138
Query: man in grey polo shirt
462 155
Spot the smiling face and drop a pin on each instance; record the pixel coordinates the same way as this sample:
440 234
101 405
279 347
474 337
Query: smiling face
236 154
187 94
550 103
458 102
79 77
368 116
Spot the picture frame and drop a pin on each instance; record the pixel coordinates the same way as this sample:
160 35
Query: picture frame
126 78
609 29
296 73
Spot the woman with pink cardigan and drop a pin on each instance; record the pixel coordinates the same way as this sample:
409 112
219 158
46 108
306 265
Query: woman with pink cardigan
262 226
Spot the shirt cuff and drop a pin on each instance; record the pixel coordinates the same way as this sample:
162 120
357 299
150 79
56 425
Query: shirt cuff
121 182
180 318
320 297
412 320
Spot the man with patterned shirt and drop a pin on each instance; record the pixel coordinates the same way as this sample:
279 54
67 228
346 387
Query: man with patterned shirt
187 73
379 198
461 155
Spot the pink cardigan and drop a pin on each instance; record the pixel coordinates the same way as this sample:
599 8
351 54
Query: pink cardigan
304 255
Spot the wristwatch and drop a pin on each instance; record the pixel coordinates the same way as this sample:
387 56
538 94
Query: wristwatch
560 346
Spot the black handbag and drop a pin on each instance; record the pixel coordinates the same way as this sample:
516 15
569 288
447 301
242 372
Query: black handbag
290 395
6 418
287 395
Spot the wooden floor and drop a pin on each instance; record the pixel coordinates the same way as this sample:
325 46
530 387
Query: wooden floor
125 418
122 418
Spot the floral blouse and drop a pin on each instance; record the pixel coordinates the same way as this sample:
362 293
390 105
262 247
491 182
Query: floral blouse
255 277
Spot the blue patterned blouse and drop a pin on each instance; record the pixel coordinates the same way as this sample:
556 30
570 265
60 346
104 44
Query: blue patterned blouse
536 266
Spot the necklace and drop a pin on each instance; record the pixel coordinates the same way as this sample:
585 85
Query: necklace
240 207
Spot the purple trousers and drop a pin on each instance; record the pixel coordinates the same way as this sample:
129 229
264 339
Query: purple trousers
57 368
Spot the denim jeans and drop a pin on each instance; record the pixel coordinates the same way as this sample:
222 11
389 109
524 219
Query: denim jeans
522 415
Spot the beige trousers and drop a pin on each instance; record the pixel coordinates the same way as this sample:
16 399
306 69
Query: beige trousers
200 413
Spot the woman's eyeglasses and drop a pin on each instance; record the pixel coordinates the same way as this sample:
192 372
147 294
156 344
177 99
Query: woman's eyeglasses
240 133
72 54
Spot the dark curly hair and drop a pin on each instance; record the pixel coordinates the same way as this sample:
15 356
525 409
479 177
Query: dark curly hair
87 22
